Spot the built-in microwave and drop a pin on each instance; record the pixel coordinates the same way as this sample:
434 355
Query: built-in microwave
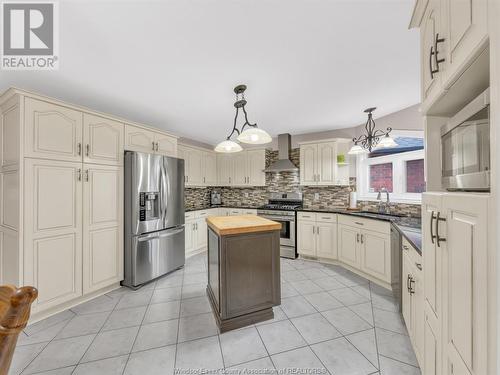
465 147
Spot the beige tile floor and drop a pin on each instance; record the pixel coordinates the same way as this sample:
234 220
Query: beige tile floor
330 321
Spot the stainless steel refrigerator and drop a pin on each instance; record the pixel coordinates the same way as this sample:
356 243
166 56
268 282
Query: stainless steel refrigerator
154 217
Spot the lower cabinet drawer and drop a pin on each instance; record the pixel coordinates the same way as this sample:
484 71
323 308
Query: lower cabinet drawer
367 224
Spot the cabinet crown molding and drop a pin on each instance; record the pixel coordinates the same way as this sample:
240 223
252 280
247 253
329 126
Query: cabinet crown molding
25 93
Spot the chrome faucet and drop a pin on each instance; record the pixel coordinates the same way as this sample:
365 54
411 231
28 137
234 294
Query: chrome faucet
383 207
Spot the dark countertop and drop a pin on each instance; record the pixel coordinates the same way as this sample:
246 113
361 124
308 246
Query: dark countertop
409 227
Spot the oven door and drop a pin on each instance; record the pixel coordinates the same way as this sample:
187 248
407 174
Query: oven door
287 232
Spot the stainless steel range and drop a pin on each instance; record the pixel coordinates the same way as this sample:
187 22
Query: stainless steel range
281 208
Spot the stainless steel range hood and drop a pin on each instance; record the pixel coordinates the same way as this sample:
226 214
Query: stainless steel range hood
283 164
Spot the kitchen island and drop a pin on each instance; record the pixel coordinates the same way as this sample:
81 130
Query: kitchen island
243 269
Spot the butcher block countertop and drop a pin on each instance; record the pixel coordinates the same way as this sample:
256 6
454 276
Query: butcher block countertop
226 225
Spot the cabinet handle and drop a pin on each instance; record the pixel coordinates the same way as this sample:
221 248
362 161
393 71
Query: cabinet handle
357 222
79 174
432 228
87 175
79 148
439 239
357 237
408 283
412 281
317 230
229 179
314 230
203 179
436 52
153 143
405 247
419 266
87 149
362 238
157 147
431 69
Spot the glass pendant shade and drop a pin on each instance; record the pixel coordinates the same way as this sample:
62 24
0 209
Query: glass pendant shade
254 136
387 142
228 146
356 150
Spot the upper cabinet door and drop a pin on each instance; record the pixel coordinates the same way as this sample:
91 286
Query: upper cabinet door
209 169
256 166
466 23
431 80
139 139
166 145
194 175
103 140
327 162
308 164
224 170
240 174
52 131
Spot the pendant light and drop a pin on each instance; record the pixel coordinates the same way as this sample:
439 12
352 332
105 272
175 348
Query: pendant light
374 138
251 135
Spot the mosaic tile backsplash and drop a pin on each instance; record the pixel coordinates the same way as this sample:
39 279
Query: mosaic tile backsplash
288 182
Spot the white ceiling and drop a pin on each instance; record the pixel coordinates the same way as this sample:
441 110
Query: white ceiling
310 65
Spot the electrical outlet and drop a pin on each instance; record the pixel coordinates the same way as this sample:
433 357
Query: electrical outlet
316 196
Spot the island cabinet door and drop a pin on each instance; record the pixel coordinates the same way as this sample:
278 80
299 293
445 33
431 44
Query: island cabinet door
250 273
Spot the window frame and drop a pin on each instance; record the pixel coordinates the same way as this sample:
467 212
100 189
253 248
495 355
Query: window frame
399 194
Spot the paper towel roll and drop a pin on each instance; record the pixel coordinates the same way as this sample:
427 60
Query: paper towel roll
353 201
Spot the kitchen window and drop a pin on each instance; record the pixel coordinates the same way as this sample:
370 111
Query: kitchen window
400 170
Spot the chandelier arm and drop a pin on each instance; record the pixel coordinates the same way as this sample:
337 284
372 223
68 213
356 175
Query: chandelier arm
247 123
235 129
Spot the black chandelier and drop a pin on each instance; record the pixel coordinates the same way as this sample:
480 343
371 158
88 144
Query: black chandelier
374 138
251 135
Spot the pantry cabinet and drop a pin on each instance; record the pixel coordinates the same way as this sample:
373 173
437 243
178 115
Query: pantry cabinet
455 231
53 229
52 131
102 226
317 234
318 163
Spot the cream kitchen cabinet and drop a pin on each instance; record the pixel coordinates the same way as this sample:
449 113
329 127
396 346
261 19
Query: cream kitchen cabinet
465 30
452 35
209 165
413 298
317 234
200 166
224 169
139 139
455 233
52 131
145 140
365 245
196 230
245 168
102 140
53 229
165 145
318 163
102 226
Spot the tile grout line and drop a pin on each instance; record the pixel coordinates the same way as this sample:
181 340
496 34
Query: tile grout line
179 318
374 327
